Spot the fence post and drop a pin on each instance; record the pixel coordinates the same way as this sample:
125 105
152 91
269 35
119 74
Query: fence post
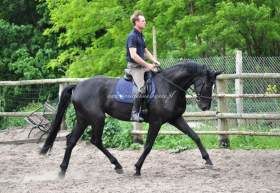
137 138
222 108
61 87
239 86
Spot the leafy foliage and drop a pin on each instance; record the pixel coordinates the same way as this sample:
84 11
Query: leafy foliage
89 29
80 38
93 33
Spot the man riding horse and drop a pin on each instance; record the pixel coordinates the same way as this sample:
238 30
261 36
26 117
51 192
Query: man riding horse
136 52
92 100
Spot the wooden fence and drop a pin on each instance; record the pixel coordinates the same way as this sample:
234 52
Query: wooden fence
222 114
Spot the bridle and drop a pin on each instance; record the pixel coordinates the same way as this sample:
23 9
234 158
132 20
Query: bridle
199 96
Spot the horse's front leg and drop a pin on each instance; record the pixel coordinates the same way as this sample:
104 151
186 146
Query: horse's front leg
151 137
181 124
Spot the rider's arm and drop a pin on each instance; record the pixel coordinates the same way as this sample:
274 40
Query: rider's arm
151 57
138 59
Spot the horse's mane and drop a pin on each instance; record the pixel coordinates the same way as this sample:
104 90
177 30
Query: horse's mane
190 66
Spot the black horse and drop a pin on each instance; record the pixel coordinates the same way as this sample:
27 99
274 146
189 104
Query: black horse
92 99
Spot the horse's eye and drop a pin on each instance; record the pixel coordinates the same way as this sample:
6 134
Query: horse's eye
199 83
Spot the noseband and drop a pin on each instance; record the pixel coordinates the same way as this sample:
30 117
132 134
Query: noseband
199 96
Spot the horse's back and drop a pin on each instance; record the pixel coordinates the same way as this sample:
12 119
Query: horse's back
96 88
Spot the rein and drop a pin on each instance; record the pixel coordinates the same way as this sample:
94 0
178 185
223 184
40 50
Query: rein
198 97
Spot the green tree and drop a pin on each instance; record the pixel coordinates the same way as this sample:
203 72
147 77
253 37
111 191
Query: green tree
251 27
24 50
92 33
204 28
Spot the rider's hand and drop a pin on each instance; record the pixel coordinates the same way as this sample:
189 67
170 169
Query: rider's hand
151 67
156 63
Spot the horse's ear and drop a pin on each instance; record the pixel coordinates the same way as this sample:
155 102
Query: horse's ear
212 73
218 73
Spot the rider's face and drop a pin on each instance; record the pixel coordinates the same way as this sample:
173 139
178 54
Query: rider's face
141 22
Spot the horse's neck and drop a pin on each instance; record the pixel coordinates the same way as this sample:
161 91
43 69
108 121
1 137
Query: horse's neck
180 76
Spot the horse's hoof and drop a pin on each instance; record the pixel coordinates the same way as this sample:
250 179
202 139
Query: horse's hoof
119 171
137 174
61 174
43 151
209 162
209 166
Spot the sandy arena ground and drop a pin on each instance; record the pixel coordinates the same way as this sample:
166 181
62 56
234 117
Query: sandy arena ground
23 170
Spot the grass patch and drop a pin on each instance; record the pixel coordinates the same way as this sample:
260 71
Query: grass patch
184 142
212 142
254 142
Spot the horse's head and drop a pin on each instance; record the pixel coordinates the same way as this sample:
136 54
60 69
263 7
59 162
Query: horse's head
203 86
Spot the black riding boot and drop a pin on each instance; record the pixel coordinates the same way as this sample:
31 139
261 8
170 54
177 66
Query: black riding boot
135 113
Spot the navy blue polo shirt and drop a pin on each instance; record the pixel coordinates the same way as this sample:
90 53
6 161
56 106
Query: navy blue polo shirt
136 40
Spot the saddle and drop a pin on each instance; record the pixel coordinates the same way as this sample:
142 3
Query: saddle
125 89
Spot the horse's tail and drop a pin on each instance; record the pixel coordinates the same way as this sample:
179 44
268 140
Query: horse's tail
55 125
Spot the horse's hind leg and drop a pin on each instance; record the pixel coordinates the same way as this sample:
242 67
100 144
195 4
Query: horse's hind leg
185 128
96 139
70 144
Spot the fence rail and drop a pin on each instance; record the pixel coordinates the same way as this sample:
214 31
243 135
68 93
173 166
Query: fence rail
249 76
41 81
76 80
